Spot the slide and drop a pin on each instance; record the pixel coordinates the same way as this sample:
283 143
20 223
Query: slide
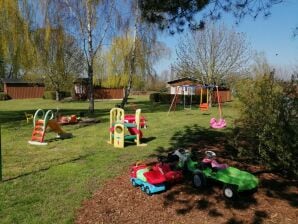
53 124
134 131
55 127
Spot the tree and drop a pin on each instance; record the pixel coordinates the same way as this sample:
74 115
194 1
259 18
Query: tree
16 46
212 55
175 15
90 23
59 59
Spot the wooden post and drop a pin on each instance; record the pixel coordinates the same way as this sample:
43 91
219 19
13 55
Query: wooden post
0 157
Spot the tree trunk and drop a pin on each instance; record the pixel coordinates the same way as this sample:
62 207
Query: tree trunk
90 59
132 59
129 84
90 89
57 95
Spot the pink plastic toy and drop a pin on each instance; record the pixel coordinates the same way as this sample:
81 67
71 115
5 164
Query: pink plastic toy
221 123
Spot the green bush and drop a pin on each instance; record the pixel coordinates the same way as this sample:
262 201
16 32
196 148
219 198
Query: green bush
154 97
51 95
64 94
166 98
4 96
269 122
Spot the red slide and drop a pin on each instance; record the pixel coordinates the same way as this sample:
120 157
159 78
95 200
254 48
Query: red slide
135 131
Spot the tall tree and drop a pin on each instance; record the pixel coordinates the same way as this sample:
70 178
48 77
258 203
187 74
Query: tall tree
94 20
145 41
212 55
90 22
16 47
59 59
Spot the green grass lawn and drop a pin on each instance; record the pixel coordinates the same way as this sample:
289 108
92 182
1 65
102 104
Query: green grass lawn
46 184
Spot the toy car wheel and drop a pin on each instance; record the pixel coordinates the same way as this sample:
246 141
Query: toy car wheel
142 187
133 182
147 191
230 191
198 180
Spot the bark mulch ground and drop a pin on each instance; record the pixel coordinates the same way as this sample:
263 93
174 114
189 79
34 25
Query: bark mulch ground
119 202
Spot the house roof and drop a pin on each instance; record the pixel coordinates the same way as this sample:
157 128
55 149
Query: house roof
21 81
184 79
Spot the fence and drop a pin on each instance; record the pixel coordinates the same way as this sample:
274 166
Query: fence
108 93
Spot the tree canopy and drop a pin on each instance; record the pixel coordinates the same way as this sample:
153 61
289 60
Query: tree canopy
176 15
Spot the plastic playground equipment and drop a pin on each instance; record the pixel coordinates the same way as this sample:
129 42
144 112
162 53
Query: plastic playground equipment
119 122
72 119
153 179
204 106
220 123
233 179
41 121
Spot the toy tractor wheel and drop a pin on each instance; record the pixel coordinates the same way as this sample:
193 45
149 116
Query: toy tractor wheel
147 191
133 182
198 180
230 191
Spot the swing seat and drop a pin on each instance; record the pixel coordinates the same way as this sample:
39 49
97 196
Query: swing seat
203 106
221 123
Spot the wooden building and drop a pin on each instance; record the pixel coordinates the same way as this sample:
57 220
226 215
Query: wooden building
192 86
21 89
81 91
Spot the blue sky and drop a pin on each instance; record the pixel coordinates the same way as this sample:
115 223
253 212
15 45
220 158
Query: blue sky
272 35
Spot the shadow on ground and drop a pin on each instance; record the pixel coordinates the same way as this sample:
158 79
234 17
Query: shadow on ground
210 198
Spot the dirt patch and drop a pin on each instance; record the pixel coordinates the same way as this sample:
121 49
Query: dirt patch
119 202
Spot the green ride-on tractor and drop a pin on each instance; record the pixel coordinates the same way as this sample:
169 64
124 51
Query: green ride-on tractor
233 179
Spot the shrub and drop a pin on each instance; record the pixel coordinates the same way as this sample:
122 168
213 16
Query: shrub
269 122
166 98
154 97
4 96
49 95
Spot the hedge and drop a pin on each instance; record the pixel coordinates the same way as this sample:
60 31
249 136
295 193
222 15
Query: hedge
52 95
166 98
4 96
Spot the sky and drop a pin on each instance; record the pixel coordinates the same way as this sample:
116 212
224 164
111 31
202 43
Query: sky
273 36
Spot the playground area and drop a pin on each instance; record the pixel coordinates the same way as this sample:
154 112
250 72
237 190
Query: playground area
84 179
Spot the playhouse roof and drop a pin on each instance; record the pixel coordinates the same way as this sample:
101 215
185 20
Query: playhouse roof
184 81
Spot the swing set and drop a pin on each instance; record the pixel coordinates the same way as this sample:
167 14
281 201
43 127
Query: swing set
204 106
220 123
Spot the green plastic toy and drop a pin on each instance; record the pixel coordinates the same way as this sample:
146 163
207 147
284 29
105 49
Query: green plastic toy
233 179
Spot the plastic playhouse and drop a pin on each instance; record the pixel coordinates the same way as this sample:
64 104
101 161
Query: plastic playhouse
119 123
41 121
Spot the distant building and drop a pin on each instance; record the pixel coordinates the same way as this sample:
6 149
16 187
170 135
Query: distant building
183 86
21 89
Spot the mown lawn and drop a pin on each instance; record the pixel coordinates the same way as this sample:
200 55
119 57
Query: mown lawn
46 184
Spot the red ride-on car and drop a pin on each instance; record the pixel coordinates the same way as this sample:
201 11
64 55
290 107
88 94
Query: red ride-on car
170 175
153 179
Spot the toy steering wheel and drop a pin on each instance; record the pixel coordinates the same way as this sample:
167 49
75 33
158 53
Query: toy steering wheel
210 154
